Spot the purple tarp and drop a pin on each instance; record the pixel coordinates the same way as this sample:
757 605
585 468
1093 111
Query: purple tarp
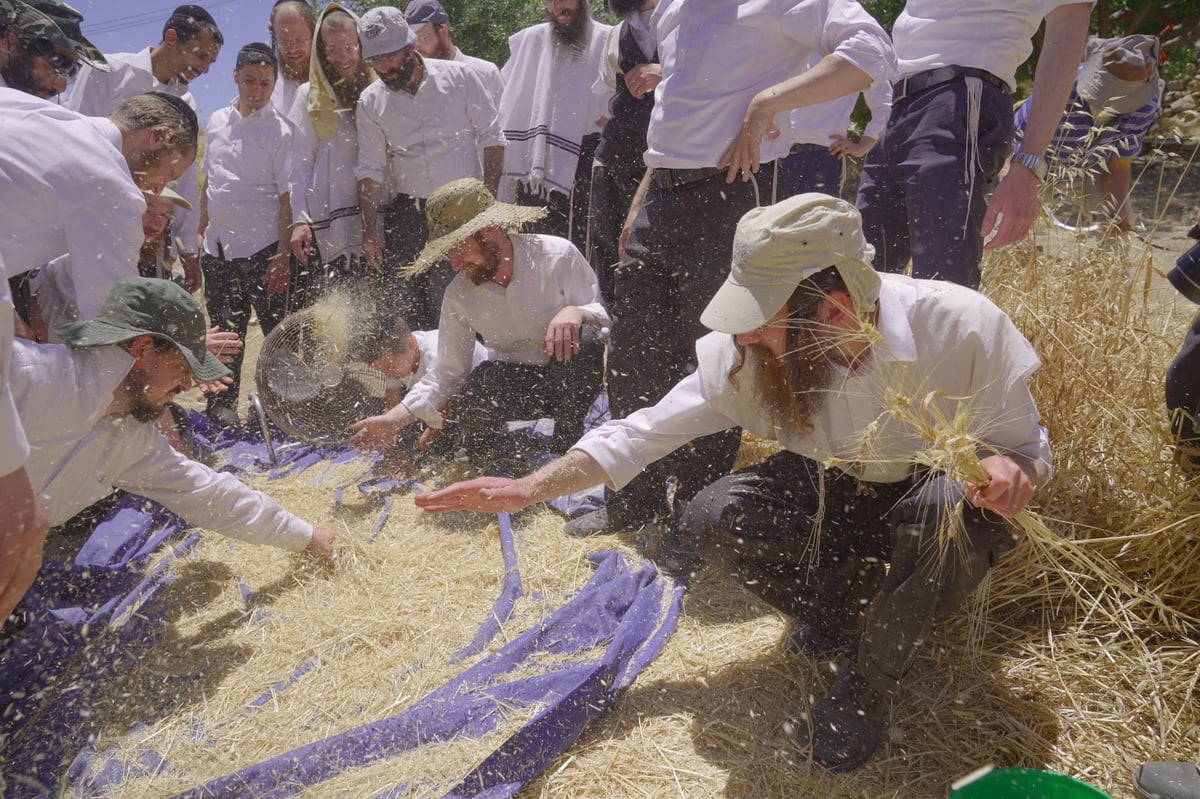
89 622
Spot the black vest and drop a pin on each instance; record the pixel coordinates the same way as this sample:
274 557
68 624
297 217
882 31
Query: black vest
624 137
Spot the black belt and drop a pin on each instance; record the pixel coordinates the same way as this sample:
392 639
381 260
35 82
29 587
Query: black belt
914 85
800 148
674 178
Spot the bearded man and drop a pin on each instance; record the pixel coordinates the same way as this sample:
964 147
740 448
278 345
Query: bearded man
551 117
292 25
815 350
533 301
42 46
429 20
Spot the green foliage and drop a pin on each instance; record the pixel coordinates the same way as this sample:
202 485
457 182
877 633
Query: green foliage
482 28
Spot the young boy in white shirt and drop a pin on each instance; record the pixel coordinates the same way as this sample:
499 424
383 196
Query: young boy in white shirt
245 211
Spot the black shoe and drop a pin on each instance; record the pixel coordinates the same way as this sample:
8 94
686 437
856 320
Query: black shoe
223 415
659 543
812 643
848 723
1167 781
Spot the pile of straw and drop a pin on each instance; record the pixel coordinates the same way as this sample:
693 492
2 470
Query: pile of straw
1078 654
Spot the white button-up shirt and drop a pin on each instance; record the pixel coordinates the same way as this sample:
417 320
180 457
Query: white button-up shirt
248 165
996 36
425 140
488 73
65 187
549 274
78 455
936 337
97 94
14 449
817 124
717 55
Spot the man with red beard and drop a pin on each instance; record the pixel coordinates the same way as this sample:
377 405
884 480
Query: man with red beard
551 117
532 300
292 25
842 367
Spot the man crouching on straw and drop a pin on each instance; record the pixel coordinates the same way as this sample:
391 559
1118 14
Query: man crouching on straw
88 410
893 399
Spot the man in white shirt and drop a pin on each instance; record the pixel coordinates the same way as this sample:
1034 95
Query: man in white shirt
534 302
731 73
42 46
89 409
551 117
424 123
846 369
429 20
246 212
923 193
191 42
292 25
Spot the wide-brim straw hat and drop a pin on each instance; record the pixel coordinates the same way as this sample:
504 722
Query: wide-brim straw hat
459 210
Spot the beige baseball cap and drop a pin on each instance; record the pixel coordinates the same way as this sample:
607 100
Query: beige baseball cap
776 247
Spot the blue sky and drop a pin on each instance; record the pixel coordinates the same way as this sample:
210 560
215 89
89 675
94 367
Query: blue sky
127 26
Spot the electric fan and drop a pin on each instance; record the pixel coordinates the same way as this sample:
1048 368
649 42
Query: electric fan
307 383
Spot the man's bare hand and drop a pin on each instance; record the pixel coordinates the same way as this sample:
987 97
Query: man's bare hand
223 344
741 157
373 250
193 276
322 542
843 146
376 433
1012 209
487 494
22 537
1008 491
642 79
278 275
562 334
301 242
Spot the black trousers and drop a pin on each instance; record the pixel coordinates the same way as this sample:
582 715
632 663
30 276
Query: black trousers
498 392
231 288
568 217
676 258
1183 394
758 525
417 300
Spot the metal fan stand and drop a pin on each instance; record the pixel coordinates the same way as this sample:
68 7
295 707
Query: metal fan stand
261 413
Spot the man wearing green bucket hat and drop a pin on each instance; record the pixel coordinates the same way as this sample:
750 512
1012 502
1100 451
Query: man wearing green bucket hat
849 371
88 410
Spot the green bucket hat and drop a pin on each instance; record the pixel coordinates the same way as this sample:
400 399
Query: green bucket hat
55 22
147 306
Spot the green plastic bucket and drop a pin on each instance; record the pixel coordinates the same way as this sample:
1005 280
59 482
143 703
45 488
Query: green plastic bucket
1023 783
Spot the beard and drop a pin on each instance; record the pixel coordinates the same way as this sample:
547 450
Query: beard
19 75
790 387
482 273
141 408
571 32
297 72
399 79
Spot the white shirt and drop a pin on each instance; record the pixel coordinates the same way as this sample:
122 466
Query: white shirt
816 124
283 96
78 455
427 345
429 138
248 164
14 449
488 73
717 55
67 188
97 94
996 36
936 336
549 274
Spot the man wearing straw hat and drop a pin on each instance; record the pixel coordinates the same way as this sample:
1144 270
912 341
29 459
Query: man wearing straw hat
1117 96
535 303
851 372
88 410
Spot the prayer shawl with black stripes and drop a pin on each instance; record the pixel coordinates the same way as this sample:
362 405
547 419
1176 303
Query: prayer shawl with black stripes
548 107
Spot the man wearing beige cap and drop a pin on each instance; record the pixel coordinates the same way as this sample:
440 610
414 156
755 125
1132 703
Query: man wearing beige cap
88 410
534 302
842 367
1117 96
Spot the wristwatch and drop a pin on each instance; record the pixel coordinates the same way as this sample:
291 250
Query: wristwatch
1034 163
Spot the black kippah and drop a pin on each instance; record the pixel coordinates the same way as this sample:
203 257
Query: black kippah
183 108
